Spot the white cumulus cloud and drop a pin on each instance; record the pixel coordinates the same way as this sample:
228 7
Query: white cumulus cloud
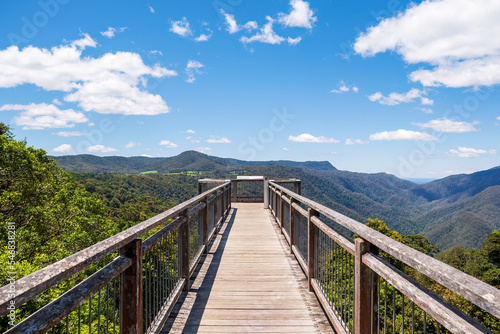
447 125
109 84
131 144
265 35
168 143
84 42
218 140
232 26
203 37
294 41
192 67
100 148
181 27
355 141
250 25
402 135
308 138
70 134
466 152
44 116
205 150
455 37
343 88
110 33
64 148
301 15
396 98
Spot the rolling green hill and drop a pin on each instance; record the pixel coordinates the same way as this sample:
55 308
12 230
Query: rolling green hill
459 210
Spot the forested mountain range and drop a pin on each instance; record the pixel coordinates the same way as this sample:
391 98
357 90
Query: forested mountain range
459 210
186 161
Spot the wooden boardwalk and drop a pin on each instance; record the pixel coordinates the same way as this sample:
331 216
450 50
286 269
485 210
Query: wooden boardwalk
248 283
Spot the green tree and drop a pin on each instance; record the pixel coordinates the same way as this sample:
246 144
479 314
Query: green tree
51 215
44 217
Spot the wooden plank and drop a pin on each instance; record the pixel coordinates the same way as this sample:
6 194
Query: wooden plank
249 282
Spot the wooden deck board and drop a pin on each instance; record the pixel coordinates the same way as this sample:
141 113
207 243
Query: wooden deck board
248 283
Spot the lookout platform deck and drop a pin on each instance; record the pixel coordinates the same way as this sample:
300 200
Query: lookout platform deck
248 283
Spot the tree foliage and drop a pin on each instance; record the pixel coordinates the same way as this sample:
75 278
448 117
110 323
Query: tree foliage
44 216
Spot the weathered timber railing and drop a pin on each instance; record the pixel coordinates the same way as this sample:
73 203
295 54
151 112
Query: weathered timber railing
137 289
359 290
250 189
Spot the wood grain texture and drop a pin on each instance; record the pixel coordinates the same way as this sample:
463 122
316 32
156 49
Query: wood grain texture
249 282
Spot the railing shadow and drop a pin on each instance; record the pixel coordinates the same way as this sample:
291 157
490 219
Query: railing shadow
197 308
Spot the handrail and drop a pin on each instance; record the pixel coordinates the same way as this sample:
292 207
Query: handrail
416 292
476 291
32 285
45 318
349 275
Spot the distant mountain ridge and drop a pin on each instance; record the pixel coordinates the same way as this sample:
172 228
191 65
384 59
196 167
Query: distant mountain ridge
186 161
458 210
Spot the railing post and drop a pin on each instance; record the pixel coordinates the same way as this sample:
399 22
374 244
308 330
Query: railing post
234 186
184 249
365 288
282 215
223 204
311 251
205 225
131 290
266 193
297 187
228 197
216 211
292 225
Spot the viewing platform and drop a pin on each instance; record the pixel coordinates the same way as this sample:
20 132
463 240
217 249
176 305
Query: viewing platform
252 255
248 283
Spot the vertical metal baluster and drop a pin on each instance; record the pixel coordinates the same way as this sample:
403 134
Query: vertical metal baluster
146 291
67 324
79 319
394 294
99 311
163 273
437 327
412 318
338 280
351 282
330 277
342 282
150 283
154 287
114 306
385 309
378 305
319 248
425 322
107 307
90 315
403 316
346 289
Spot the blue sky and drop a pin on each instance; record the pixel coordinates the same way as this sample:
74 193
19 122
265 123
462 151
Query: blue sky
390 86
